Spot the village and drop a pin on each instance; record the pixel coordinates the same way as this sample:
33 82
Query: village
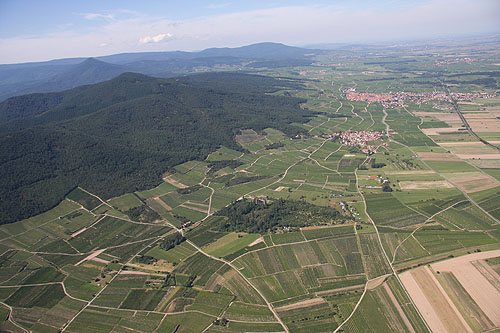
312 71
401 98
455 61
358 138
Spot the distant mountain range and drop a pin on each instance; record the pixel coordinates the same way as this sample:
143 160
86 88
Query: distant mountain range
62 74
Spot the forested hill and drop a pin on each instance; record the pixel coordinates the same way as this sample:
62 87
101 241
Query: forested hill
121 135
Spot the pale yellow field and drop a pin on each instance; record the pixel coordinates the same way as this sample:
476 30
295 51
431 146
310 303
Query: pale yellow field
437 131
432 301
483 121
488 164
428 156
424 185
409 172
174 182
281 188
480 288
474 147
479 156
303 304
475 182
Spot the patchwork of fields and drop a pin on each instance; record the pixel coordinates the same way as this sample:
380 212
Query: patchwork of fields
158 261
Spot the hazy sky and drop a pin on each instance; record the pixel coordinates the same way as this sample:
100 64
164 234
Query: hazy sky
34 30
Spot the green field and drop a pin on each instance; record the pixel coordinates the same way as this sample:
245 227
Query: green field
385 209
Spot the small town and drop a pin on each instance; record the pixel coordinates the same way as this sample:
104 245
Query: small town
455 61
402 98
312 71
358 138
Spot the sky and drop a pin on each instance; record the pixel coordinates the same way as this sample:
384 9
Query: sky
38 30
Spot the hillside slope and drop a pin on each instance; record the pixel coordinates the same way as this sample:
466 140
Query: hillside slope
122 135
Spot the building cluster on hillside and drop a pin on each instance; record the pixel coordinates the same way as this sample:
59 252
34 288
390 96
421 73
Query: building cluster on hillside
401 98
358 138
454 61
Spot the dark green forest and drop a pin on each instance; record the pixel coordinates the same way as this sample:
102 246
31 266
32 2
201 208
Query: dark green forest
256 216
121 135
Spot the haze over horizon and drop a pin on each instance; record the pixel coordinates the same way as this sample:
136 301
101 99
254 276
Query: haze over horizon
38 31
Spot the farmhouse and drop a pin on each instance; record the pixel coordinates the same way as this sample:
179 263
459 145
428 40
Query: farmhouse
187 224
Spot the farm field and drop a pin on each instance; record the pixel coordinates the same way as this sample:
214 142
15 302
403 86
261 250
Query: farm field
456 294
398 227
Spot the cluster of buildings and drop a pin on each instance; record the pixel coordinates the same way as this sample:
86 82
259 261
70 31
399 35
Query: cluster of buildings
454 61
312 71
358 138
441 107
187 224
467 97
380 179
352 95
348 209
260 198
339 64
401 98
